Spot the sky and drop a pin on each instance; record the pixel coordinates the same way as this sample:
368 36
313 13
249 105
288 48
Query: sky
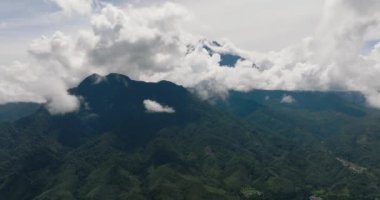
289 45
250 24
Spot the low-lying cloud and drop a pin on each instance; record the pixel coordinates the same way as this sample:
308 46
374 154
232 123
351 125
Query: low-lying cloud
287 99
149 44
155 107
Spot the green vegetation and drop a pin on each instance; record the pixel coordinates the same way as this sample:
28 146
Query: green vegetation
13 111
242 148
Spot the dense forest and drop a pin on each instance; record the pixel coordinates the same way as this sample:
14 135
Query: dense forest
250 145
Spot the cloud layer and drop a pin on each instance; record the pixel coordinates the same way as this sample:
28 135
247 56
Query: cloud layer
148 43
155 107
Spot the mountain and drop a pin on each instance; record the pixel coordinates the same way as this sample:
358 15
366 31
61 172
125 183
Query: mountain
340 123
13 111
244 103
114 147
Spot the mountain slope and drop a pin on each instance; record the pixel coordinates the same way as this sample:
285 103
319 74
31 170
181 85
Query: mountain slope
339 122
14 111
112 148
110 142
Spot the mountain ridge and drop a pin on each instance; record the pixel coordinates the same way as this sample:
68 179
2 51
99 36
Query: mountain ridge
111 148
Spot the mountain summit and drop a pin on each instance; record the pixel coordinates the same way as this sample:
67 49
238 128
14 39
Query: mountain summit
117 102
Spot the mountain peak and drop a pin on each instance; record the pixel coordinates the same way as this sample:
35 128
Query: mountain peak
116 102
95 79
117 77
116 93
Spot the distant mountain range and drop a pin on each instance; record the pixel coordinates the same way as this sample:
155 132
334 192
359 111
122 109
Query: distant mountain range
254 145
13 111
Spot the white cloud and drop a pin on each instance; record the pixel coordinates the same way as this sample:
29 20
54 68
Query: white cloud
154 107
255 24
21 82
149 43
287 99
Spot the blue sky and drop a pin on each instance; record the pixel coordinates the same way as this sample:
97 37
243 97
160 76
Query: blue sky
24 20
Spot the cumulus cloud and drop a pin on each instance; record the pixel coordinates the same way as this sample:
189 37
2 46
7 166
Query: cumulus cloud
21 83
154 107
148 43
131 41
287 99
